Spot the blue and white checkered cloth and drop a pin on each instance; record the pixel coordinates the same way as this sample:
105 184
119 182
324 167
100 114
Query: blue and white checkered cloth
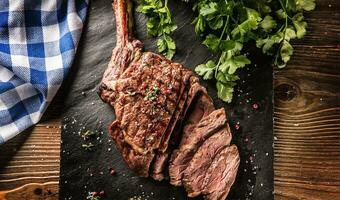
38 41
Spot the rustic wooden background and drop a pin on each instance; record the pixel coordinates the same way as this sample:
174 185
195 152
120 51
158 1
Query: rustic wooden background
306 126
307 112
30 162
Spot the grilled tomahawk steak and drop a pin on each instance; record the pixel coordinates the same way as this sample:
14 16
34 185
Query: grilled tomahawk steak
164 118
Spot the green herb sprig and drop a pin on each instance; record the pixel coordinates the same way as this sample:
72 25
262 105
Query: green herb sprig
88 147
159 24
87 134
227 25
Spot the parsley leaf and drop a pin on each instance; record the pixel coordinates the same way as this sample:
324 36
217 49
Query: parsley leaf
306 5
286 51
159 24
268 23
206 70
224 91
208 9
299 25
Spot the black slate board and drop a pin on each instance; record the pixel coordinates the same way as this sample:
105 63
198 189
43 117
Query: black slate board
84 171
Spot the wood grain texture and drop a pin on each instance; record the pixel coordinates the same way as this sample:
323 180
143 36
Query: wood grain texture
30 163
307 112
32 191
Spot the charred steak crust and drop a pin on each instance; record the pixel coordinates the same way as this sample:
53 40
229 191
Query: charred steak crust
166 123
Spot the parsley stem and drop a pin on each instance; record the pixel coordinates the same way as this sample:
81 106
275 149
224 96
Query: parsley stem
284 7
224 29
219 41
219 62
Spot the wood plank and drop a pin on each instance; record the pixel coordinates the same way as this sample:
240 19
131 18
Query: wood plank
32 191
307 112
30 163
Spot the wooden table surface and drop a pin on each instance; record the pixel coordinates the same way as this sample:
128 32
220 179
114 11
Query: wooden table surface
306 126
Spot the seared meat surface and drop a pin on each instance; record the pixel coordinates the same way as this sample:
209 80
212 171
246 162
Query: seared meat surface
166 124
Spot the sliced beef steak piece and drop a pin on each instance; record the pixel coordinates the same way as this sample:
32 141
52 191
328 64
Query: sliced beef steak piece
175 127
222 174
202 108
194 175
203 130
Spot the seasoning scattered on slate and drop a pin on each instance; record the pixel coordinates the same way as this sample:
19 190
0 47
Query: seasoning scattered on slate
237 126
251 158
102 193
112 172
255 106
136 198
93 196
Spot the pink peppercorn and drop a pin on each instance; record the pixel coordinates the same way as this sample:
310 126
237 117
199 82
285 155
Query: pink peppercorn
255 106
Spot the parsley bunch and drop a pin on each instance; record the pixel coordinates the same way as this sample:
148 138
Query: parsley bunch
227 25
159 24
